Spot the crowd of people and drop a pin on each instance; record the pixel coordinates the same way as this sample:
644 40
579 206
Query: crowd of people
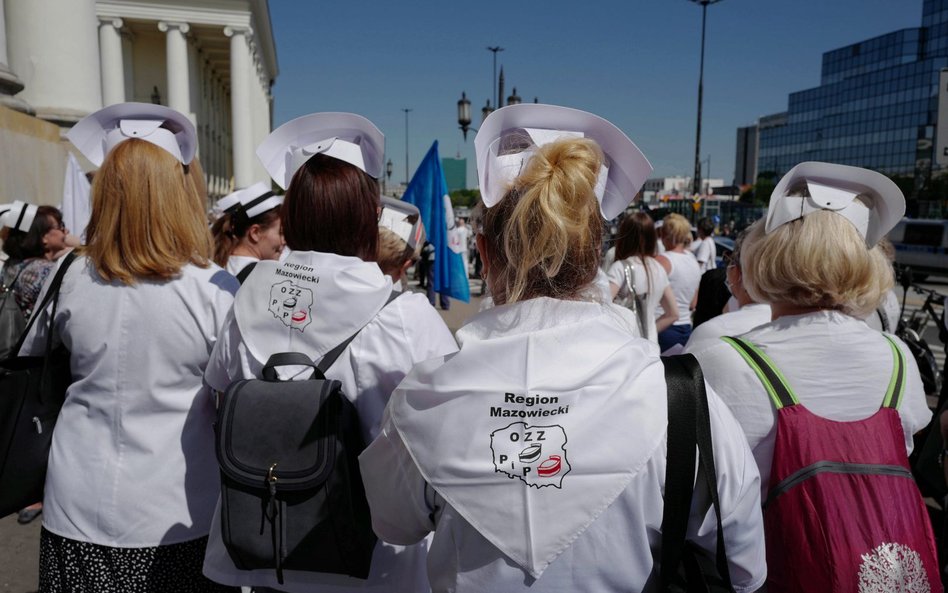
528 451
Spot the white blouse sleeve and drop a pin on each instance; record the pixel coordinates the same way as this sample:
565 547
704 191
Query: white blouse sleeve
403 505
739 493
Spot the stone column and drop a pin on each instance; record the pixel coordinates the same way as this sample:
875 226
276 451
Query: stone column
10 84
128 60
241 69
110 57
179 95
53 46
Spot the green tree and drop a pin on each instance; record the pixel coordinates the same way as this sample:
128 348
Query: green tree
465 197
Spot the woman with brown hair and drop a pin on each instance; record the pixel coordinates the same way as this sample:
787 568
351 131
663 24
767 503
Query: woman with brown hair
34 239
249 229
132 476
635 265
536 454
329 164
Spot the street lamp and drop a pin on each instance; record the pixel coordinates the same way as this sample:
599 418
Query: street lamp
704 15
464 114
495 49
388 174
514 98
486 110
406 110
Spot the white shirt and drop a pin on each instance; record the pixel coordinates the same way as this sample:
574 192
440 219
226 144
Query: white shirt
132 462
838 367
728 324
594 523
405 332
236 263
891 308
684 278
705 252
651 282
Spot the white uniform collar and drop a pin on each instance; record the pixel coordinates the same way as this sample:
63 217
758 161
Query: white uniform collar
310 302
561 409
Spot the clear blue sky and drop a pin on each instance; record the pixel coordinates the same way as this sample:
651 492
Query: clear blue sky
634 62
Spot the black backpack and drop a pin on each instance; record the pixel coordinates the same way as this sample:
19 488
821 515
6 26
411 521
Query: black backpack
291 493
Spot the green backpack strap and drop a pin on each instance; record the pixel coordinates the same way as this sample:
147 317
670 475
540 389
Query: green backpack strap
893 395
774 382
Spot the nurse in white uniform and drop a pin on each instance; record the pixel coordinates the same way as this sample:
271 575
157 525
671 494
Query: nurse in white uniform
746 317
132 477
249 229
536 454
821 270
329 164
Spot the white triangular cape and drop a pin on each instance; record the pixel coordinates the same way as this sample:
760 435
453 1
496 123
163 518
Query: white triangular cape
535 427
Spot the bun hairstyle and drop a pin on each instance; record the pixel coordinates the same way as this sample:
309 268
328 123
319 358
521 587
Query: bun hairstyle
231 227
544 236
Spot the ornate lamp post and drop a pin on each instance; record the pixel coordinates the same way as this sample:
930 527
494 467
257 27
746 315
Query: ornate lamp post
388 174
704 15
464 114
514 98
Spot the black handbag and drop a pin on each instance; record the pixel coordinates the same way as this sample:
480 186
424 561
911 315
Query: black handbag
32 391
683 566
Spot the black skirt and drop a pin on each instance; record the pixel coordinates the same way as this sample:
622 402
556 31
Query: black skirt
70 566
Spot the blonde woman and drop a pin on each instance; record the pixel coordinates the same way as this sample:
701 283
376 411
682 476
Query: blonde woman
816 261
132 477
536 454
684 275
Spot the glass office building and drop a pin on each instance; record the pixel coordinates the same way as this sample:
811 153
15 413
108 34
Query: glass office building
876 106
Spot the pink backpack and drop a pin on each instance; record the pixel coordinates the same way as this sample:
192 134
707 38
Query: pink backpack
843 513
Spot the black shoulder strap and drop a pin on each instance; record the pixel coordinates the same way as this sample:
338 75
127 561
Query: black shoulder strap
689 423
333 354
242 274
51 294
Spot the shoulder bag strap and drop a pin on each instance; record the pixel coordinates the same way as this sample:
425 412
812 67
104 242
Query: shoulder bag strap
51 295
15 278
333 354
893 395
245 271
687 411
773 380
679 467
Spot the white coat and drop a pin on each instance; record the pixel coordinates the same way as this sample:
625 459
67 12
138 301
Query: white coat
728 324
536 454
837 366
132 461
333 297
236 263
652 284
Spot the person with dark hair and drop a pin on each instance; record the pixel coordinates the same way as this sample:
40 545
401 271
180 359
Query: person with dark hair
537 454
635 265
704 248
33 242
327 289
249 229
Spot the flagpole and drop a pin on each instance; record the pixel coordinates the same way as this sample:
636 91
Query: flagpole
406 110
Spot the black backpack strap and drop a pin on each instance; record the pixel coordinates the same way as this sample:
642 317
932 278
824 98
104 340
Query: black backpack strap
242 274
331 356
51 295
689 423
679 466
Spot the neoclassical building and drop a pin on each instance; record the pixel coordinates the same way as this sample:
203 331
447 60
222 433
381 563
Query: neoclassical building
214 60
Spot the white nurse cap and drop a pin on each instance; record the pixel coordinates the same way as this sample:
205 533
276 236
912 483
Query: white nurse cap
345 136
836 188
97 134
253 200
395 217
18 215
511 135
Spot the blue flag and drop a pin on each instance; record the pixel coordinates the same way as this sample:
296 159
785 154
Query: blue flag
428 191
